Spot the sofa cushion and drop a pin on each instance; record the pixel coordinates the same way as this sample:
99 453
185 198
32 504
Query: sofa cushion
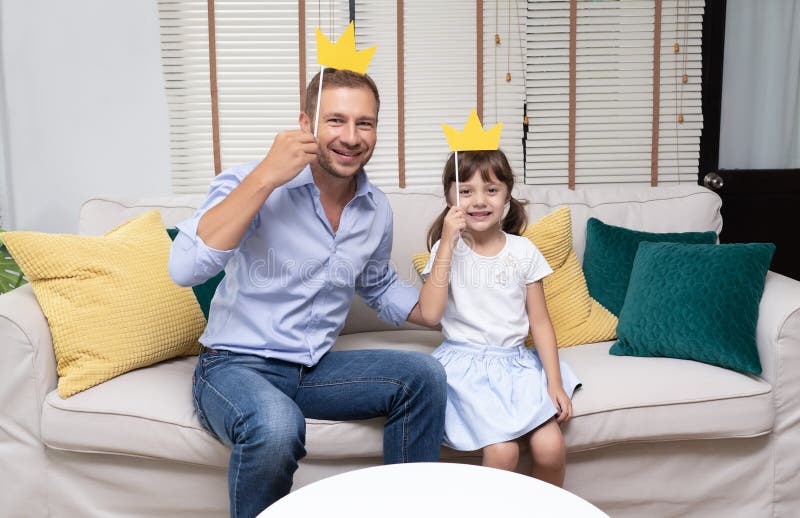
149 412
109 301
610 251
632 399
577 318
681 305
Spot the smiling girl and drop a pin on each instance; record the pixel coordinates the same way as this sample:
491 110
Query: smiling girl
483 285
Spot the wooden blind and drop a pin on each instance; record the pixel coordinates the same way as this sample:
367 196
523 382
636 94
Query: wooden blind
440 80
258 77
614 91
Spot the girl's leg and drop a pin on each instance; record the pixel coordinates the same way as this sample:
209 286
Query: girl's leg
548 453
503 455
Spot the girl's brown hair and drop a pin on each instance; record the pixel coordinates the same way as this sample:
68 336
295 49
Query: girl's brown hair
487 162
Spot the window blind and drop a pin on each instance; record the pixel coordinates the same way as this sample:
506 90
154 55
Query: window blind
440 81
257 47
614 91
257 74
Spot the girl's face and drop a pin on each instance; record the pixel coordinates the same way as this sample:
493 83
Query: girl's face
483 202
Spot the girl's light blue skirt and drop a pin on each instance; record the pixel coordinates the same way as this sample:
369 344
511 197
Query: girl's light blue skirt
495 394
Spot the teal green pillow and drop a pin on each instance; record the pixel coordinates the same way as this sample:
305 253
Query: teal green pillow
696 302
203 292
608 259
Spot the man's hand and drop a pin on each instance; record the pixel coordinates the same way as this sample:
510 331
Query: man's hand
291 151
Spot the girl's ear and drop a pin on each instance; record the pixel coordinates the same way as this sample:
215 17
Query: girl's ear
448 198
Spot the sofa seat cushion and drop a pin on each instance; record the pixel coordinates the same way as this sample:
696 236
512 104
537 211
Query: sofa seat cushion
631 399
149 412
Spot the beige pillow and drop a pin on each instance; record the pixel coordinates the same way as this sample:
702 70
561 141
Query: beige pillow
109 300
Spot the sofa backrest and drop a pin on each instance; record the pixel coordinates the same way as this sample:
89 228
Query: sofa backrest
674 208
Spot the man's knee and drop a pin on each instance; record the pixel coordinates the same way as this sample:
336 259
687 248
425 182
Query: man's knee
429 375
281 429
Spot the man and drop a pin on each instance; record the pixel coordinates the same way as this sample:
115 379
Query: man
298 234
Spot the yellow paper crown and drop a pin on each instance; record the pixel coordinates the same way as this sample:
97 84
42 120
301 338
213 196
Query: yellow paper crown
343 55
473 138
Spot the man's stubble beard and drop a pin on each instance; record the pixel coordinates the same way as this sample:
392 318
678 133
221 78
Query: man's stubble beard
326 165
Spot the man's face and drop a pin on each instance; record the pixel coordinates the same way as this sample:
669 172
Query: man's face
347 133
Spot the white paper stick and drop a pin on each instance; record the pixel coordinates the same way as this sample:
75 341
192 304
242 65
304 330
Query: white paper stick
458 191
319 99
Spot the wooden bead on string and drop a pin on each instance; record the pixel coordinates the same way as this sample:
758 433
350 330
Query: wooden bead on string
685 79
508 76
497 39
676 47
680 117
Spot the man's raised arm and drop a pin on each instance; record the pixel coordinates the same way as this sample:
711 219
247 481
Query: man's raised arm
224 225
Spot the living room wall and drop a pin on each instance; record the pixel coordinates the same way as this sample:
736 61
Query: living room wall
84 111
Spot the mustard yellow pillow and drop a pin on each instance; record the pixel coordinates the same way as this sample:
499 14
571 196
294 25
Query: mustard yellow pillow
109 300
577 318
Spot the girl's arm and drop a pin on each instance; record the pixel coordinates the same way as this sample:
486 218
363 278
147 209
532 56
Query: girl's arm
433 297
545 339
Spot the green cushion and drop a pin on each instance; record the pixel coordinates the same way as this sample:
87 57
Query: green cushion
203 292
696 302
609 254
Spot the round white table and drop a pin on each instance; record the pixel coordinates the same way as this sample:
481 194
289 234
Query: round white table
431 489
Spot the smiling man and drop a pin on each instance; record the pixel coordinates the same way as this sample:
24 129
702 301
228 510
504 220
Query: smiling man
299 234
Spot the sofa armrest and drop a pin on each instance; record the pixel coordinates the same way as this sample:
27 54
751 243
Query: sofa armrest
27 375
778 330
778 338
25 335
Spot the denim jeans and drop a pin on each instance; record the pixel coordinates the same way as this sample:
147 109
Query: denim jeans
258 407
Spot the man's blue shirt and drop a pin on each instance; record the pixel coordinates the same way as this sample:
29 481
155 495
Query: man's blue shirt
289 284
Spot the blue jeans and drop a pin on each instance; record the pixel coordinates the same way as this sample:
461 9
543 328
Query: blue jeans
258 407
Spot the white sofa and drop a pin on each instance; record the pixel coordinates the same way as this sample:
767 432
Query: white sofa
650 436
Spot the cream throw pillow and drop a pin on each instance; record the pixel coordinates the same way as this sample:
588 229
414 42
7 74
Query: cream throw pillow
577 318
109 300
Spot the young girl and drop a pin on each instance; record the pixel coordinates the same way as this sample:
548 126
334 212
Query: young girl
483 284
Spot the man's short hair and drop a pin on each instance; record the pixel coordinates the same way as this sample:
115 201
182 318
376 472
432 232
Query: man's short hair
334 78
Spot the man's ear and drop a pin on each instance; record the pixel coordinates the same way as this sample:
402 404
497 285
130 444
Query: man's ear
305 122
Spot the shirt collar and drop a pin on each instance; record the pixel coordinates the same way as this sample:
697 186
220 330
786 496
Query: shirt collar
363 185
304 178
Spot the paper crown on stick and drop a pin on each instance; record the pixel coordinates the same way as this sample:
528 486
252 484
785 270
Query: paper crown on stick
473 137
343 54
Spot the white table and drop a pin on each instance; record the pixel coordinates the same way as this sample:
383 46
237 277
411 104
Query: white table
431 489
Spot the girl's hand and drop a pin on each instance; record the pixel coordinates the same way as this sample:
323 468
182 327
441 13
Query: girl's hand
562 402
454 222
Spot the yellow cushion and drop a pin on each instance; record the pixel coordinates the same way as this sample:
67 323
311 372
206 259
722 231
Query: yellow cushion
577 318
109 300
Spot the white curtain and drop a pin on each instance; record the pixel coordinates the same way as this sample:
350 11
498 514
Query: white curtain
760 122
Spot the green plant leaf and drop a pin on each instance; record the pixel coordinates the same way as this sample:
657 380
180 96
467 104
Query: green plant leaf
10 274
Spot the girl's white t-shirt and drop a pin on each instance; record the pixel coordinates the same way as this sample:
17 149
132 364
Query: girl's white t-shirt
486 298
